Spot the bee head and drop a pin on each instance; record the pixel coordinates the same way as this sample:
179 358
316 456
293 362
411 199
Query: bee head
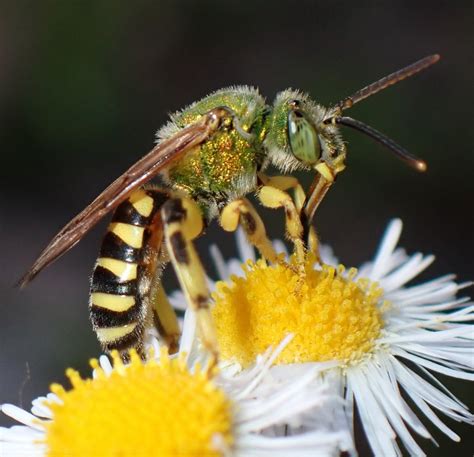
298 136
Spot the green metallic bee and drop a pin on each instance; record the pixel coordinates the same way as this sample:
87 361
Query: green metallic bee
210 156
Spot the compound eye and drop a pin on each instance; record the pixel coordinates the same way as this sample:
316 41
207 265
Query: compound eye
303 139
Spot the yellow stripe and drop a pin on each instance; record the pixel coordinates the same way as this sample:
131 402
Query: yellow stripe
130 234
112 302
142 202
125 271
106 335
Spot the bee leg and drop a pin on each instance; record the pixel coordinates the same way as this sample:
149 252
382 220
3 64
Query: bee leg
285 183
322 182
182 221
241 211
313 245
271 197
164 318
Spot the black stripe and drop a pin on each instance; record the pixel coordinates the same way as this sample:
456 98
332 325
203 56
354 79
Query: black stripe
178 244
160 196
306 228
133 339
104 280
173 211
114 247
106 318
127 214
248 222
201 301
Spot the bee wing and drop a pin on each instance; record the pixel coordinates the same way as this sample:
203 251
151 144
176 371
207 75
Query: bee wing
139 173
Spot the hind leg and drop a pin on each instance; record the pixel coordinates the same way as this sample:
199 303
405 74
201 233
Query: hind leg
182 222
164 318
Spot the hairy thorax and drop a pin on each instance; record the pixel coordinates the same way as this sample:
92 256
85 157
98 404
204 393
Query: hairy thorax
224 167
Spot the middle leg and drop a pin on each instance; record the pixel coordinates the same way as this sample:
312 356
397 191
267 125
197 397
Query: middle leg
242 212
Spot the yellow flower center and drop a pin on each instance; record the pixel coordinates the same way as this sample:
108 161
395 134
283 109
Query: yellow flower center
157 408
331 316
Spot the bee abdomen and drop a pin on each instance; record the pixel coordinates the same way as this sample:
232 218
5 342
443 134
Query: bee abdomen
127 262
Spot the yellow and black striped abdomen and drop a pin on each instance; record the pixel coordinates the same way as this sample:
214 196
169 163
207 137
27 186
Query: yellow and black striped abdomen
127 264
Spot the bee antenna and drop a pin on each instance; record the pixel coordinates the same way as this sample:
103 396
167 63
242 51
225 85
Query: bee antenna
399 151
387 81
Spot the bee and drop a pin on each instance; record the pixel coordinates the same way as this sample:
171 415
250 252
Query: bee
210 156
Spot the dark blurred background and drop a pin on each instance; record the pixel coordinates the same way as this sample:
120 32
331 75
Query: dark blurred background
85 84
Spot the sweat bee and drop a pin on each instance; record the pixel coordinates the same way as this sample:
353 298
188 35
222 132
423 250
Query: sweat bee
210 156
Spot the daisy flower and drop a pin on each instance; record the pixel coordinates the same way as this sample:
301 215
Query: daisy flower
174 406
387 338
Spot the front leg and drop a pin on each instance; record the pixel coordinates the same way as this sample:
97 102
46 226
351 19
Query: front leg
271 197
285 183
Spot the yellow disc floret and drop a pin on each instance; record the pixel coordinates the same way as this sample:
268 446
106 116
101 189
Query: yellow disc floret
157 408
331 316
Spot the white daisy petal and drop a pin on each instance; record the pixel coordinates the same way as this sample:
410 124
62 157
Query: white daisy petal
420 290
377 428
177 300
418 388
406 272
40 409
246 250
12 449
219 262
434 366
19 434
279 247
20 415
386 248
189 332
105 364
264 367
413 306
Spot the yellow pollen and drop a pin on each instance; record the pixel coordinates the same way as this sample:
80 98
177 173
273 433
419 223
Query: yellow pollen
153 408
331 316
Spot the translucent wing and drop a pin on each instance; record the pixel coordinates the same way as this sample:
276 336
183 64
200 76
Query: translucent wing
139 173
